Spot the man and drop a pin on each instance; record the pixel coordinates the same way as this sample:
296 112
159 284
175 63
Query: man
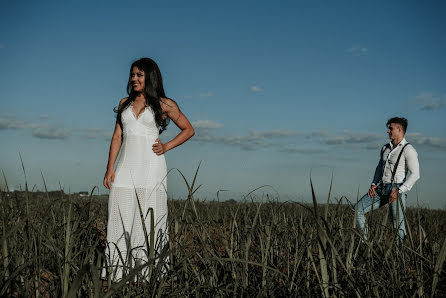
389 181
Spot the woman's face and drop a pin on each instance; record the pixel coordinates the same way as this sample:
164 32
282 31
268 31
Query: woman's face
137 77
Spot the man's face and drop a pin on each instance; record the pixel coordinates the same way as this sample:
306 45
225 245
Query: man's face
395 131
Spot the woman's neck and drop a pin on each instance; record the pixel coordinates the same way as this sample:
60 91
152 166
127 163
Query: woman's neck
140 98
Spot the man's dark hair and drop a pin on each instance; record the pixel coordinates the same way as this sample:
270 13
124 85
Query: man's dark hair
398 120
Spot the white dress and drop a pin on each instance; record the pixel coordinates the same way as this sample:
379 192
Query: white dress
140 174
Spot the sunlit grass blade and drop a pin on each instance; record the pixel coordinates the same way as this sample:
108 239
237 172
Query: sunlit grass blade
6 182
439 266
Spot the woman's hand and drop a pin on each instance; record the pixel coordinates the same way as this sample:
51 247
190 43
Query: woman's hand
171 110
159 148
109 178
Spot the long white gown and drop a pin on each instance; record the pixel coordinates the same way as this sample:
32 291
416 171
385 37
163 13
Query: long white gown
140 174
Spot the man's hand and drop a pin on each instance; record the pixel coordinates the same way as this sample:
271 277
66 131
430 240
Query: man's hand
371 193
393 195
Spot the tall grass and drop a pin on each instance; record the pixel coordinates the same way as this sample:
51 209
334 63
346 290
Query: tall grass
53 246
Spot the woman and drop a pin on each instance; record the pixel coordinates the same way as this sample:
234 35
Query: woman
141 171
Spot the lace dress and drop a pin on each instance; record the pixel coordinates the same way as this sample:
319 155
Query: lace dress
140 175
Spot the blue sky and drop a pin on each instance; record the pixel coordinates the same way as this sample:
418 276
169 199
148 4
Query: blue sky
276 90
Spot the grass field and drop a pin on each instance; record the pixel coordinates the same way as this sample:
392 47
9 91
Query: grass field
53 245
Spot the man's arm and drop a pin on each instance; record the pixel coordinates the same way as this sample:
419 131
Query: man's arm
379 168
413 167
378 175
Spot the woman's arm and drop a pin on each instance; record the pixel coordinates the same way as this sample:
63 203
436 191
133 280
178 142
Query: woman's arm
171 109
115 146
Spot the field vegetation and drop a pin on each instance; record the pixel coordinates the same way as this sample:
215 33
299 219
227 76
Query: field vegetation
52 245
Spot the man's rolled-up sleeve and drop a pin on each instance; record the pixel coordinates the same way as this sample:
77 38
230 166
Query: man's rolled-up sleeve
413 167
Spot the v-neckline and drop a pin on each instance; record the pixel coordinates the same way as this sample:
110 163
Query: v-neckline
133 111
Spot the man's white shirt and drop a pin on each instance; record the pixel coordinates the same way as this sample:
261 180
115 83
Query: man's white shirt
407 163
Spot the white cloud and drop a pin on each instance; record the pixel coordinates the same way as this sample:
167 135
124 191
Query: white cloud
248 143
357 50
275 133
95 133
434 105
44 116
431 101
207 94
280 140
354 137
374 145
11 122
419 139
38 130
51 132
424 96
319 133
256 89
348 137
293 150
206 124
255 140
335 140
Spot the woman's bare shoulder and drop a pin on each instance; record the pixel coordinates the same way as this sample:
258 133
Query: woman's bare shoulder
122 101
168 104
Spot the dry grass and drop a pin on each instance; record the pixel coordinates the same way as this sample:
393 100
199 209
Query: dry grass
53 246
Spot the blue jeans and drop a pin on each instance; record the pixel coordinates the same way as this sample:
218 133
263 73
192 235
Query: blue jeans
366 204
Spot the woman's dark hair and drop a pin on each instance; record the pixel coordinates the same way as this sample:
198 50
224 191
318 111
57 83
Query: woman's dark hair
398 120
153 92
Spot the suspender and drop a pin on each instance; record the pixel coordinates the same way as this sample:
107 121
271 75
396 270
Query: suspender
397 162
